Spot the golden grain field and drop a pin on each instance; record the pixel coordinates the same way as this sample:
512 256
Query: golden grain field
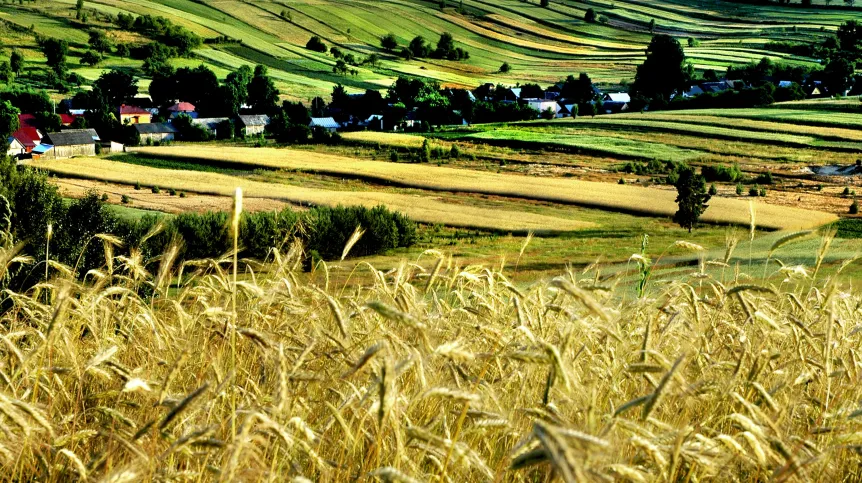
423 209
385 138
146 371
628 198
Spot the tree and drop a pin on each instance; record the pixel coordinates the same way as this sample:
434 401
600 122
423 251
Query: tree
6 74
91 58
262 94
48 121
664 72
79 7
8 122
505 68
55 51
838 75
315 44
389 42
235 89
99 41
418 47
544 3
579 90
116 87
122 50
652 25
691 198
200 87
446 49
318 107
340 67
16 62
590 15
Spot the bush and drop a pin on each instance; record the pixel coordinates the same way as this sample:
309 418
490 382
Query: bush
393 156
156 190
754 191
727 174
316 44
172 192
846 192
182 194
104 197
854 208
455 152
125 199
764 178
621 181
505 67
138 185
739 189
713 190
763 192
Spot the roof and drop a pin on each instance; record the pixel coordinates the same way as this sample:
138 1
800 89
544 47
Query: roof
28 136
373 117
67 118
182 107
155 128
176 114
209 122
254 119
42 148
12 142
124 109
618 96
27 120
516 91
72 137
324 122
785 83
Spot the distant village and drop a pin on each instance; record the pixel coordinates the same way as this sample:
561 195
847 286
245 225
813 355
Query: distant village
154 125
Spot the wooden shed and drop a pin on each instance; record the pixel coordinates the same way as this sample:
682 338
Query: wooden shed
72 142
153 132
254 125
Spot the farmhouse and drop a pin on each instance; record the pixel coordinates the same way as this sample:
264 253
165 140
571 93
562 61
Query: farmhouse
543 105
326 123
211 124
15 148
614 107
29 137
183 108
72 142
375 122
618 97
134 115
566 110
253 124
511 94
151 133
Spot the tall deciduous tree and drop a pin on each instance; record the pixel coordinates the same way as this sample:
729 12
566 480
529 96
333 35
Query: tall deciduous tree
8 121
16 62
691 198
664 72
389 42
55 51
116 87
262 94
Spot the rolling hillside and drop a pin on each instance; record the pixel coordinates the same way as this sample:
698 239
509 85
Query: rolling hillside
540 44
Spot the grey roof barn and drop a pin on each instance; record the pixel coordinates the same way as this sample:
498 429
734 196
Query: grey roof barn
71 137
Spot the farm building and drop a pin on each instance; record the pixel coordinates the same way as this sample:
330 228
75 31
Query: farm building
253 124
543 105
565 110
374 122
211 124
326 123
134 115
29 137
15 148
42 150
67 119
614 107
182 107
623 97
153 132
73 142
511 94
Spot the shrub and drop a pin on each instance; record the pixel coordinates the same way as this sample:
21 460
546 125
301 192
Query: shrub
104 197
138 185
455 152
739 189
125 199
846 192
172 192
182 194
727 174
156 190
393 156
764 178
621 181
762 192
854 208
713 190
315 44
505 67
754 191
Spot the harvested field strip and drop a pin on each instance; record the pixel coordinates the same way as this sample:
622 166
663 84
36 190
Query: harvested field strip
687 128
600 145
385 138
835 134
625 198
424 209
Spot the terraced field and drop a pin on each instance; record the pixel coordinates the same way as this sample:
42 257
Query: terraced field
541 44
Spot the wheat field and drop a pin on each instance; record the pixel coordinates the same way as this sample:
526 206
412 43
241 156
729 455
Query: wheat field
626 198
423 209
233 370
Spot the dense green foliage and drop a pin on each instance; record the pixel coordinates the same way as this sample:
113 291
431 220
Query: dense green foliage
691 198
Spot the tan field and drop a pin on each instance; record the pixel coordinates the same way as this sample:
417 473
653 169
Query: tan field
385 138
627 198
424 209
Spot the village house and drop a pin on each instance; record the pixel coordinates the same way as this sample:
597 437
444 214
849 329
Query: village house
71 143
155 132
543 105
182 108
254 124
211 124
623 97
325 123
134 115
29 137
374 122
566 110
15 149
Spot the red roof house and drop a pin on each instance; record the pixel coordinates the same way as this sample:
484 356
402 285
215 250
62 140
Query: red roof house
67 119
134 115
30 137
182 107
